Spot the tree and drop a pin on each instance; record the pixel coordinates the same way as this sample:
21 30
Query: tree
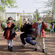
6 3
36 15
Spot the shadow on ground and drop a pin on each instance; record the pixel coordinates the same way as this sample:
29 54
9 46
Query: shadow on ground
4 48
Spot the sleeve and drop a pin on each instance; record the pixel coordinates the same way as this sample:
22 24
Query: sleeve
45 25
12 26
33 26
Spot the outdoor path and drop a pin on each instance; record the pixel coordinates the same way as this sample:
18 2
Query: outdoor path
28 50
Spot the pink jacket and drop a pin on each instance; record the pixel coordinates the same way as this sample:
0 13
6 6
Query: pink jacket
44 26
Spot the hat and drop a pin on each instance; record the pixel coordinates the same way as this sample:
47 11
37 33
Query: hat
10 18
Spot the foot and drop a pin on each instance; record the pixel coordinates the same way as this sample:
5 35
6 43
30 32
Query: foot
8 47
35 49
43 50
11 49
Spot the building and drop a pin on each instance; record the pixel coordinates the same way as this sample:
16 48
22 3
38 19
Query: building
2 15
16 16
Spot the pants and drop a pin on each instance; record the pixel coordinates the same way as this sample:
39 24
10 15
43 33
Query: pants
40 42
22 37
28 39
10 43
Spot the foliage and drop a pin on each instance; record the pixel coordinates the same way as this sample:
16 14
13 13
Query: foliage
6 3
47 29
48 4
36 15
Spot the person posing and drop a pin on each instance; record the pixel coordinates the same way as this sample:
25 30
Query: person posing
27 35
9 33
40 34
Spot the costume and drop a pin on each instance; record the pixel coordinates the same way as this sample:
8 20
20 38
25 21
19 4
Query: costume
9 34
35 27
40 34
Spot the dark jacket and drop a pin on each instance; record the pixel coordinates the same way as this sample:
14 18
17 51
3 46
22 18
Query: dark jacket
27 29
9 32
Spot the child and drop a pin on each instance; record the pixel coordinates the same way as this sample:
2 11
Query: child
40 33
9 33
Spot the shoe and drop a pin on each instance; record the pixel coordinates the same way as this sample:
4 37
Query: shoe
8 47
11 49
35 49
43 50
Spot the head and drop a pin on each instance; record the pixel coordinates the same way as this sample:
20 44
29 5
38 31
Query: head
26 21
40 20
10 19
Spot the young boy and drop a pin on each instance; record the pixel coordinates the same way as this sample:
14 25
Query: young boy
9 33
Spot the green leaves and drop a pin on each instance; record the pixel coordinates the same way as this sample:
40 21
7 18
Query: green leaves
7 3
36 15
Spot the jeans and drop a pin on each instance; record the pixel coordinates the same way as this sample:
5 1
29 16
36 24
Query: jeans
28 39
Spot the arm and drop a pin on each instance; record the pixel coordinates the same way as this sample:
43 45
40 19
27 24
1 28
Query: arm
44 24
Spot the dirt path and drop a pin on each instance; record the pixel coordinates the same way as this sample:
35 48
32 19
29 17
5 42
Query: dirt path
28 50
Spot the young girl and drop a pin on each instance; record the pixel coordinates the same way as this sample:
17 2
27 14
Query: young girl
9 33
40 34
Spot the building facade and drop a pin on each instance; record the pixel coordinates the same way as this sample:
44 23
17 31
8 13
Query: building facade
17 16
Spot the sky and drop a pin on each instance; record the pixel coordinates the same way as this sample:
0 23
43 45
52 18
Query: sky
28 6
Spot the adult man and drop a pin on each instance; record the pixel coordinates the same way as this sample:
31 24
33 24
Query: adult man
27 35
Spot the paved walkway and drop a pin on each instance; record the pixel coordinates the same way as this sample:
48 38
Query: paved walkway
28 50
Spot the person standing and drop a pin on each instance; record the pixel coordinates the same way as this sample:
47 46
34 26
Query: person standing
9 33
40 34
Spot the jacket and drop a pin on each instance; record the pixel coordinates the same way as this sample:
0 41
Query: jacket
9 32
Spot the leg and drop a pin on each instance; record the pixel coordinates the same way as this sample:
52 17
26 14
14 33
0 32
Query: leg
30 41
10 45
22 36
43 45
37 43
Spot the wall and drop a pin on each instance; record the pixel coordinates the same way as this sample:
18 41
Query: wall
13 15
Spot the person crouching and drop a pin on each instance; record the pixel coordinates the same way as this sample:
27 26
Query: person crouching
27 35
